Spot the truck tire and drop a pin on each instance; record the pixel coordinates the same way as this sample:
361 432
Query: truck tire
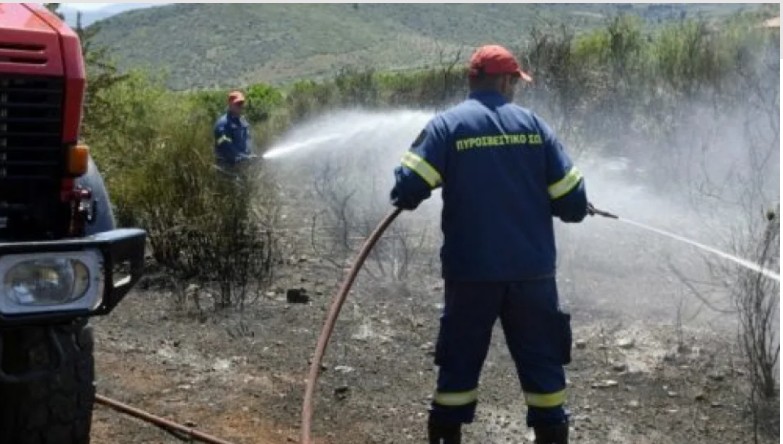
56 408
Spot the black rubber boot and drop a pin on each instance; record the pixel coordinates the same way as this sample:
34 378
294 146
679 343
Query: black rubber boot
440 433
551 434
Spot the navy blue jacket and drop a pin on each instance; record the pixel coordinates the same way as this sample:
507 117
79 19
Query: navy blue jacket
504 176
233 142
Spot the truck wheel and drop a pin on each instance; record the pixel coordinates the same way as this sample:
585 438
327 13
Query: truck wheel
56 408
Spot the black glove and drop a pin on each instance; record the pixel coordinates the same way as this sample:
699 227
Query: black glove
408 194
398 202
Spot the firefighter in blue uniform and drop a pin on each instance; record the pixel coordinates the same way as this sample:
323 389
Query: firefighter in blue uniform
504 175
233 141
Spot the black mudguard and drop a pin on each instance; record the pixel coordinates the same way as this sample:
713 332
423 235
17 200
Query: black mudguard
104 216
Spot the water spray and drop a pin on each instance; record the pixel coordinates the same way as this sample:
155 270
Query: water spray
737 260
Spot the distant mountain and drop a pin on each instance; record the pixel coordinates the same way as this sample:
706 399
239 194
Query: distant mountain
203 45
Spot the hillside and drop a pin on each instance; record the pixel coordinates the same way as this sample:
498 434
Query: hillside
202 45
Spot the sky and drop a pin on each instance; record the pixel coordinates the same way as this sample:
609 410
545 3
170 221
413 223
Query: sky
91 7
98 11
87 6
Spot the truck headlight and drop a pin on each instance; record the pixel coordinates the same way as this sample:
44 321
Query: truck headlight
38 282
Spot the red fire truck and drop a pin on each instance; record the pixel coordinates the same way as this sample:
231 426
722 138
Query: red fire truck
61 258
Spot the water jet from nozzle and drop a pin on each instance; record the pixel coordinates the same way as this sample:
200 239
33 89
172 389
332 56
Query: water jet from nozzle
737 260
357 129
288 148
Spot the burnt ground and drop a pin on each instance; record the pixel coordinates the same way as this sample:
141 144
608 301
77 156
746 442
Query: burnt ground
649 365
240 376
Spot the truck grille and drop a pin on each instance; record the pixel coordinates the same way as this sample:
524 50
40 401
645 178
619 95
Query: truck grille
32 155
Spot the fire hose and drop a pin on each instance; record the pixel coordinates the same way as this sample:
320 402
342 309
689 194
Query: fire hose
334 312
331 319
180 431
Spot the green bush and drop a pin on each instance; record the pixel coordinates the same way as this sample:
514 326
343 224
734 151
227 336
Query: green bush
155 151
262 99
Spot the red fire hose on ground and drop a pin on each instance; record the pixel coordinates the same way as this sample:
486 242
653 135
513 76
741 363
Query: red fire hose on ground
331 319
180 431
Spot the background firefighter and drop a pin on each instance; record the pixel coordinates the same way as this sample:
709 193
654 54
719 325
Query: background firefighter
233 139
504 175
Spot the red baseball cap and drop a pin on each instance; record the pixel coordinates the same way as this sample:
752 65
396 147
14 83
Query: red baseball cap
235 97
495 59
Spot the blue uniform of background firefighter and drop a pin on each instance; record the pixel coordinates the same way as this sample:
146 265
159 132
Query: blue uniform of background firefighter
233 141
504 175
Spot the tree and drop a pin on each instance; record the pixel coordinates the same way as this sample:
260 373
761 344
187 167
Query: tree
54 9
102 74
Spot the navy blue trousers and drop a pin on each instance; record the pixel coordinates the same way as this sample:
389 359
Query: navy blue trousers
538 336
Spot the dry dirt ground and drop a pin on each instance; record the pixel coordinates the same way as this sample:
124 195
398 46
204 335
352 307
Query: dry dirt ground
240 376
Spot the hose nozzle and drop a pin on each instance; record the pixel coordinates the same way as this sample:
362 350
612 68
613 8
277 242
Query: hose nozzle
593 211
